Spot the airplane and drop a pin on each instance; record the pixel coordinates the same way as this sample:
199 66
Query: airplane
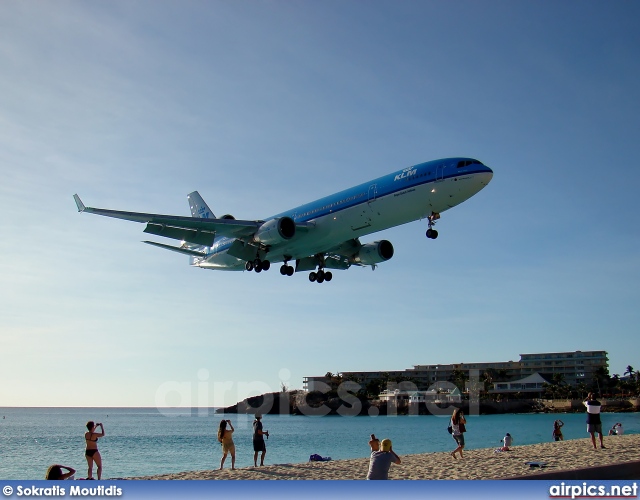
322 235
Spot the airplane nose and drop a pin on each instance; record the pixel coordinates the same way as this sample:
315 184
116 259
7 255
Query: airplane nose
487 175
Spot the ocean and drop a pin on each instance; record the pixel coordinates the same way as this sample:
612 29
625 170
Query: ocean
149 441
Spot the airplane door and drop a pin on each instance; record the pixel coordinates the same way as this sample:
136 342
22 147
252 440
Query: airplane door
373 192
364 219
440 172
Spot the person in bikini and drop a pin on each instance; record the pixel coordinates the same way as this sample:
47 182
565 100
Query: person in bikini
91 453
225 438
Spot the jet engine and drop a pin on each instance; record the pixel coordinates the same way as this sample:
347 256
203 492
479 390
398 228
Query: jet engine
275 231
374 253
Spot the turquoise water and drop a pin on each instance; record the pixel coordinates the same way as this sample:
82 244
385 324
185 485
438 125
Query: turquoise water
146 441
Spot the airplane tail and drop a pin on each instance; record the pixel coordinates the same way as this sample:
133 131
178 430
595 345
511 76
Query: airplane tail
198 206
201 210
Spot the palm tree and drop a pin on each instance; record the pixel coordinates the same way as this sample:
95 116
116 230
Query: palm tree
487 379
600 376
629 370
458 377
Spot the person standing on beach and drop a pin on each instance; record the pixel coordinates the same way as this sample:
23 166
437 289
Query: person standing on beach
557 432
91 453
457 429
381 460
593 419
259 445
225 437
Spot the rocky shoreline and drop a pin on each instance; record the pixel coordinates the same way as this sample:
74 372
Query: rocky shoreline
318 404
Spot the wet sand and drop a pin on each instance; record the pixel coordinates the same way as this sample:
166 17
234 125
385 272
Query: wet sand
477 464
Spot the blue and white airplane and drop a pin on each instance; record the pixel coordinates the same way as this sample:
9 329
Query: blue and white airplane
321 235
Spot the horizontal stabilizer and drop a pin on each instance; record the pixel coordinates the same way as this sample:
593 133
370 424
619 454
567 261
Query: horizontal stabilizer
186 251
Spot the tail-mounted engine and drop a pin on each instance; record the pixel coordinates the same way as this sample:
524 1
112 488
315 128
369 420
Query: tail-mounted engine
374 253
275 231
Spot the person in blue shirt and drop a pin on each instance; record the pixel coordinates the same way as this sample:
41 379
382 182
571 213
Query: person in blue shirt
381 460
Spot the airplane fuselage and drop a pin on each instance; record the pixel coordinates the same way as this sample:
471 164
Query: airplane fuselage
398 198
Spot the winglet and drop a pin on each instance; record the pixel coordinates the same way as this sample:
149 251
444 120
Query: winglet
79 204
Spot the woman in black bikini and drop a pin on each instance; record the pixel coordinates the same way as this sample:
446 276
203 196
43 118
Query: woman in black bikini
92 454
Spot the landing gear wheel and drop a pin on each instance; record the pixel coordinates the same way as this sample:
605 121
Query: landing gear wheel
320 276
249 266
432 233
266 265
312 276
258 268
328 276
284 269
290 271
256 262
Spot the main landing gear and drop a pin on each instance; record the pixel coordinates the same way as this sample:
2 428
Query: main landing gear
320 276
432 233
286 270
257 265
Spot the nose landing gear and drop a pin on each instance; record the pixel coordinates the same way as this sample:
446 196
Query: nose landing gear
432 233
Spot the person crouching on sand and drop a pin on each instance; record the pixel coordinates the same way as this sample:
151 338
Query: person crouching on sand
225 437
55 472
507 441
457 426
381 460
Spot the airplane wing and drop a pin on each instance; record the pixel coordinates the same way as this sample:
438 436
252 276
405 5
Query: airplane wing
192 229
183 250
348 253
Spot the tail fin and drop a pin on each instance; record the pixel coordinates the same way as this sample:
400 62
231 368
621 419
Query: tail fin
198 207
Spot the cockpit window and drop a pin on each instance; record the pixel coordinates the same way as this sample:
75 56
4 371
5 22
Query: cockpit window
465 163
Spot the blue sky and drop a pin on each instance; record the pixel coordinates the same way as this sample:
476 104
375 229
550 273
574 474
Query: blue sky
263 106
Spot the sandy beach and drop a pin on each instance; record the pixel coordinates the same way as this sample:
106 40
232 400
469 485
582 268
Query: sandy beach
477 464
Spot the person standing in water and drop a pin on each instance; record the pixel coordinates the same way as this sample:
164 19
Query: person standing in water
91 453
225 436
259 445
